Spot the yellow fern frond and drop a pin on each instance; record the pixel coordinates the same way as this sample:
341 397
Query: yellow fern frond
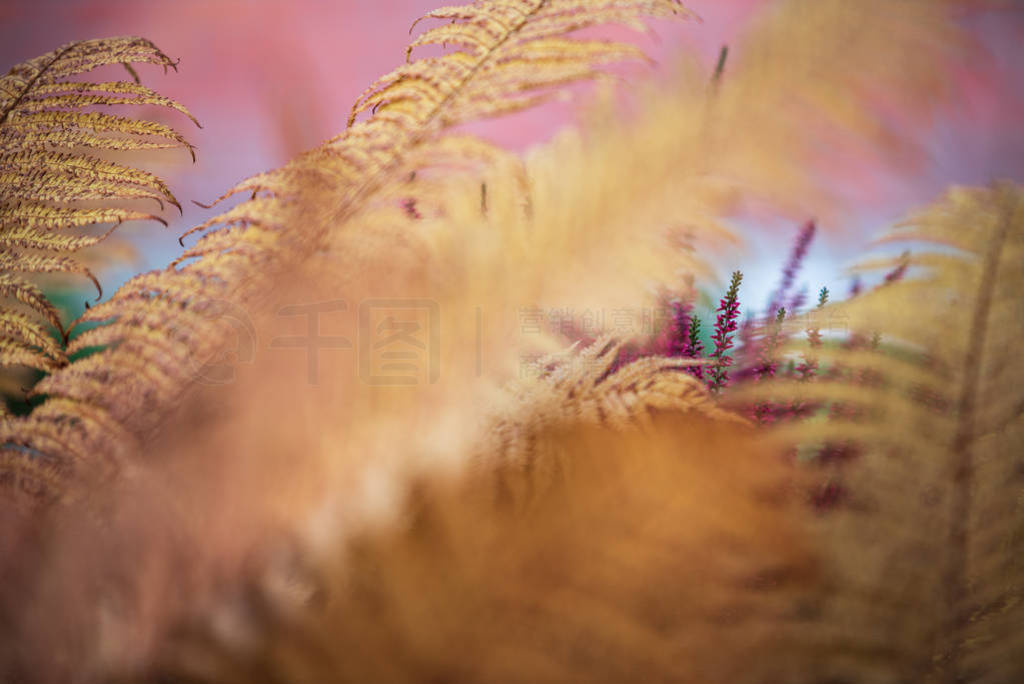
588 387
661 553
926 545
12 287
63 177
593 385
507 51
14 324
41 188
290 216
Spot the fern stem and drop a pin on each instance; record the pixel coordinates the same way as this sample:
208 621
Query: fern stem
956 583
28 86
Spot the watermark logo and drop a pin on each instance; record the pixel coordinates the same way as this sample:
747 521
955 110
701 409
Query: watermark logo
313 342
399 341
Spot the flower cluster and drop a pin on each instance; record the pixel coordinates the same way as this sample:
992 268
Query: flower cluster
806 369
767 363
725 324
766 412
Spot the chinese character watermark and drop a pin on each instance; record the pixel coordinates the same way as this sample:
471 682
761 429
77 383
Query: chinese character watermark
399 341
313 342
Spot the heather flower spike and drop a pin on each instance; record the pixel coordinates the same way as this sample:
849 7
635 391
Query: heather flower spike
808 367
766 364
765 412
797 301
796 257
773 342
898 272
695 348
725 324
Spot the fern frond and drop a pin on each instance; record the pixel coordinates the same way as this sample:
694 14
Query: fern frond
64 177
288 218
926 547
41 188
22 236
14 352
586 387
12 287
14 325
507 50
589 385
658 553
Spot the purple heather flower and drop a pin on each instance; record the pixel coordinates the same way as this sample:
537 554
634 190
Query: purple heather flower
765 412
829 496
898 272
767 363
695 348
725 324
797 301
409 207
796 257
809 366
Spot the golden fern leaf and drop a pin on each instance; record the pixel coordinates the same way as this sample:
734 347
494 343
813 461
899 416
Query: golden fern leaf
321 190
42 191
40 113
592 385
926 547
585 387
509 53
664 555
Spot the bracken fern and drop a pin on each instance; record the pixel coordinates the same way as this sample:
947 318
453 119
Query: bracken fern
614 515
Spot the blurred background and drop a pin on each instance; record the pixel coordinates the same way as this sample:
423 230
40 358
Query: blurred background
270 78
